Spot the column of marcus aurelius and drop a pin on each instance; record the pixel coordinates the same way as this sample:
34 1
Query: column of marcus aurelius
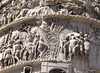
49 36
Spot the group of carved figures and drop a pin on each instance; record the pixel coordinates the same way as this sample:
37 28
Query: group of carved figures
80 7
21 10
75 45
9 13
7 17
17 11
16 50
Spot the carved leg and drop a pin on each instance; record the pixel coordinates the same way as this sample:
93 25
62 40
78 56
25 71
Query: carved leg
4 21
14 60
13 17
86 53
1 22
5 63
2 65
65 54
9 62
70 53
9 20
27 56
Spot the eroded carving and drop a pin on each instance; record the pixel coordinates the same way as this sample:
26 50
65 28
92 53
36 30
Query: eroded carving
41 42
19 9
23 48
75 45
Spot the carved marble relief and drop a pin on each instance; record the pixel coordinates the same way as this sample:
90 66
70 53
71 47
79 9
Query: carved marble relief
26 43
46 41
75 45
67 31
16 9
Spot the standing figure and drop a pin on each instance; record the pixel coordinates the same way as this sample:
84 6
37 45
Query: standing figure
9 17
29 46
65 47
35 43
4 18
8 56
17 49
41 47
72 45
81 43
86 45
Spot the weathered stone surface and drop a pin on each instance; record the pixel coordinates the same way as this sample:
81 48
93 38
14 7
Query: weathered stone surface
49 36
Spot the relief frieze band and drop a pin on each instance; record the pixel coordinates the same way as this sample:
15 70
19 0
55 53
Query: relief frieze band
59 34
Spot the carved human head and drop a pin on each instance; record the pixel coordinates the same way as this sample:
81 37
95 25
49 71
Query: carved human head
37 35
86 35
80 33
13 3
72 36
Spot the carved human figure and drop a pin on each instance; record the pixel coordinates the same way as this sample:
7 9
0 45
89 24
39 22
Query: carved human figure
73 45
41 47
29 46
81 45
65 47
13 8
86 44
97 10
17 55
80 38
36 39
52 26
25 55
8 56
17 47
22 13
2 42
35 43
9 17
13 58
4 18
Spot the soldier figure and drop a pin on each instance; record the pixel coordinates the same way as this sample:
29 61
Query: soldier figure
41 47
86 45
4 18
